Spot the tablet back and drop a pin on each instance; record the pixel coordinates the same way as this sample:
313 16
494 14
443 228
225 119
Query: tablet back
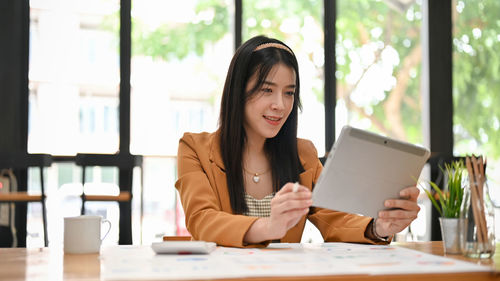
364 169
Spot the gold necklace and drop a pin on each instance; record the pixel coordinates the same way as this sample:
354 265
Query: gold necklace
255 176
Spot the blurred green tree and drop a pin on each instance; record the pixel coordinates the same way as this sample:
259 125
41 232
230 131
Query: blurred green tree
476 77
370 35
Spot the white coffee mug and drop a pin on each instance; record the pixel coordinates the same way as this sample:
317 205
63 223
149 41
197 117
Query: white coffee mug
82 234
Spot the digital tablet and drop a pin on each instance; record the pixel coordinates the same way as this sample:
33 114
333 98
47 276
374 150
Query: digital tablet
363 169
183 247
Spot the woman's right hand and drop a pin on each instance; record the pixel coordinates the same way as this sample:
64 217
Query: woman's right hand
287 208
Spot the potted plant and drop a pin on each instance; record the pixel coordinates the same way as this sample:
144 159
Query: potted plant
448 203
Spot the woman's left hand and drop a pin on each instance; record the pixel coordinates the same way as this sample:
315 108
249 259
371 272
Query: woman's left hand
390 222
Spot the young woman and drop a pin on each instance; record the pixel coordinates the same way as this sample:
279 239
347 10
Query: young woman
249 183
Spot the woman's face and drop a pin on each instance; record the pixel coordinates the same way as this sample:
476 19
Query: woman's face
268 109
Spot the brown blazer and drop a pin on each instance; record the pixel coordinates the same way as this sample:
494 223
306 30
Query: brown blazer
204 195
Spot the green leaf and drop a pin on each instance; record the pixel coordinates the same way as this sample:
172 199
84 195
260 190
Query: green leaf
450 200
433 202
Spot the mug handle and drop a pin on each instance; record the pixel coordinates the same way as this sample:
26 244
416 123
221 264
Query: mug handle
109 228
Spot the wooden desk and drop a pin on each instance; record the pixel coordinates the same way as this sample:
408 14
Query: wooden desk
52 264
436 248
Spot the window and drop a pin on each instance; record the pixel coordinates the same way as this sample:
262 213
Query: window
378 58
180 56
476 85
298 24
73 77
73 106
379 53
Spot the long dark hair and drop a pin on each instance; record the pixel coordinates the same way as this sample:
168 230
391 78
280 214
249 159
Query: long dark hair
281 149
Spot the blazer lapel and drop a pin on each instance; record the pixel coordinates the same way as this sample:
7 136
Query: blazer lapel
215 153
306 178
219 172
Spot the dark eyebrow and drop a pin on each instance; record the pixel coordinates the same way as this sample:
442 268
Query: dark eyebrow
274 84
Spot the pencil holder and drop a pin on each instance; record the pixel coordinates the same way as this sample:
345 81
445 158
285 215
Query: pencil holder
477 229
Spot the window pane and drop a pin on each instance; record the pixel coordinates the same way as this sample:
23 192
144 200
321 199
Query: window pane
378 67
73 77
73 105
299 24
378 56
180 55
476 85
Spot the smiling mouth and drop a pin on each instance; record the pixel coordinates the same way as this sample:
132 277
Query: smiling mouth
272 118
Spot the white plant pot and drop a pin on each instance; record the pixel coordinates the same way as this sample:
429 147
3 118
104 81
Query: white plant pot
450 235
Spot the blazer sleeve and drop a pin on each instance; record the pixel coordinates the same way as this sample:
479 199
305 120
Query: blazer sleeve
205 219
336 226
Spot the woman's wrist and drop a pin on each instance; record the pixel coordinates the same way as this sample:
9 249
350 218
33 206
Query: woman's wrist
374 231
371 232
258 232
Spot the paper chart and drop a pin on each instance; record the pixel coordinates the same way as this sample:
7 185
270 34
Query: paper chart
140 262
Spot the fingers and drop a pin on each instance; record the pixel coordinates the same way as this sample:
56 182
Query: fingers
388 227
390 222
398 214
401 222
405 205
293 188
292 203
410 193
287 193
283 206
289 207
295 217
401 212
298 213
402 208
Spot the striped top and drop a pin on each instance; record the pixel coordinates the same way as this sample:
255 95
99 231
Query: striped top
258 207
